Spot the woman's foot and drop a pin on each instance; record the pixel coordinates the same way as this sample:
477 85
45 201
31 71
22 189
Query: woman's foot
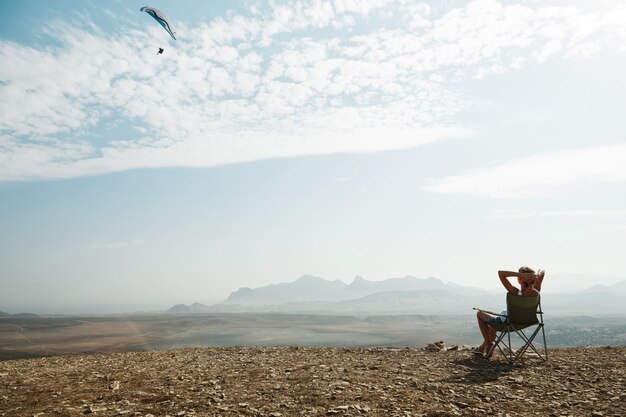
480 350
489 350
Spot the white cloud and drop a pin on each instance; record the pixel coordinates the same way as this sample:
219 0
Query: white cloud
537 175
233 90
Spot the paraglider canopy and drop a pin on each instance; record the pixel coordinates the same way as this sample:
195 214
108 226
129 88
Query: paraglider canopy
160 17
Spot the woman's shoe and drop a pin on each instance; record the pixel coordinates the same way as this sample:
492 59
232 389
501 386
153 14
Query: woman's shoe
478 351
490 350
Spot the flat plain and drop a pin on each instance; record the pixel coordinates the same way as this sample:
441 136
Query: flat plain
24 337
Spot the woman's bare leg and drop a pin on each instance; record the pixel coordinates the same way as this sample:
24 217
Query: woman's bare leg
492 334
483 318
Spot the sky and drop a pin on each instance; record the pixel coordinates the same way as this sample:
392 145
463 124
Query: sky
333 138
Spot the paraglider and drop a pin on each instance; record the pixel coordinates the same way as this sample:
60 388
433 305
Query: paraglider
163 20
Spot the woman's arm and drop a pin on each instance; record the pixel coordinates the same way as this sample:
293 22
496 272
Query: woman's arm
503 275
540 274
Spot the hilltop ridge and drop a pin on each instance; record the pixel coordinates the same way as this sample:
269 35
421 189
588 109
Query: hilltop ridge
291 381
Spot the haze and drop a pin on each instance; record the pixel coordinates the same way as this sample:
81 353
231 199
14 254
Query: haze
273 140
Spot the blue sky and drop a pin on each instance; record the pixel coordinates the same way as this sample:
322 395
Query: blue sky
331 138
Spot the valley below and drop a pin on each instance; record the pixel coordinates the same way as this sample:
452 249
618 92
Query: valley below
25 337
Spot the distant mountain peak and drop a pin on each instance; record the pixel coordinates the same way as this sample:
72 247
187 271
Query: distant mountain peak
617 287
309 278
186 309
311 281
358 282
306 288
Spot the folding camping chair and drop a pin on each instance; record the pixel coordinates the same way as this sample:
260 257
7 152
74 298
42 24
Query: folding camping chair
522 312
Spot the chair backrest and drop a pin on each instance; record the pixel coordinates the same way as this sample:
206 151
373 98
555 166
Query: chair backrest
522 310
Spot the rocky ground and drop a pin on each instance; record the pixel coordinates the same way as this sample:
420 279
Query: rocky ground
315 382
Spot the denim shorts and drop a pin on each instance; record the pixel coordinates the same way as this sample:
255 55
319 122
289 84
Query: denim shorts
496 320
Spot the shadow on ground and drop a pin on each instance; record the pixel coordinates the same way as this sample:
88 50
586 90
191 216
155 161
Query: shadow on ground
479 370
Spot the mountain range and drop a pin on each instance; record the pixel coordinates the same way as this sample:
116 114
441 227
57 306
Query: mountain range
18 315
406 295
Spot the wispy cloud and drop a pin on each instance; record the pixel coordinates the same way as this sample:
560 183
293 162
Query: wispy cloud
293 79
539 174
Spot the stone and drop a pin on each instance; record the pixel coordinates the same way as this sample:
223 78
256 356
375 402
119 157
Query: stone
432 387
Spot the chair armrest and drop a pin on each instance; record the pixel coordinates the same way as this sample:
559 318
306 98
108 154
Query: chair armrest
489 312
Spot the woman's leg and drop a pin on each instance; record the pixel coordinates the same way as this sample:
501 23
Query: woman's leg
492 334
483 319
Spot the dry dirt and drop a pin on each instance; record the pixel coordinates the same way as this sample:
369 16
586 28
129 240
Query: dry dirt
300 381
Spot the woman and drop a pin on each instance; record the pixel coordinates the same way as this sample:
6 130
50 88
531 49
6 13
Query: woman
530 285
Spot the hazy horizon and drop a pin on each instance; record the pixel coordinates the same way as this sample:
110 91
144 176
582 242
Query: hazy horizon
333 138
558 284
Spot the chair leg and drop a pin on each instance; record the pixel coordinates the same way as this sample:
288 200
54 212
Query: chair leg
542 357
512 357
529 344
545 343
497 344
